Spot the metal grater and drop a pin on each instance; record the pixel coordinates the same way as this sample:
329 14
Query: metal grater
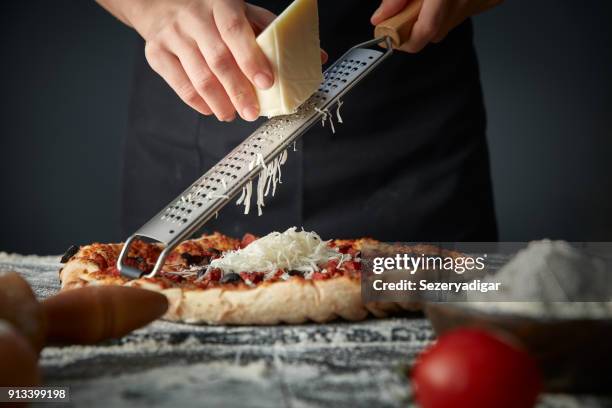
195 206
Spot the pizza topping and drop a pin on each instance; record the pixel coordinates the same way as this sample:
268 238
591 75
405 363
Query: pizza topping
247 239
291 250
137 262
100 260
113 271
252 278
200 272
194 259
183 273
323 275
214 253
230 278
216 260
69 253
215 275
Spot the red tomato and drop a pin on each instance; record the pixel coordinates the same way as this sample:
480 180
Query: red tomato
472 368
247 239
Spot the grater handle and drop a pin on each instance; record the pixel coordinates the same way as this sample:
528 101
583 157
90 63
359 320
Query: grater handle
399 27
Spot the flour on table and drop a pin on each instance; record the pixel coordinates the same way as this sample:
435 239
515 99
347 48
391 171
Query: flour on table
546 279
339 364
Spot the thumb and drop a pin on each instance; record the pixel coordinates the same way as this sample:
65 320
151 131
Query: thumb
387 9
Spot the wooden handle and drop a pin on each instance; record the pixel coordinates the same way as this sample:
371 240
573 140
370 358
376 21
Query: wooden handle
18 359
92 314
18 306
399 27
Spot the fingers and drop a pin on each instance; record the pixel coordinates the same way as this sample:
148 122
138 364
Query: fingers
205 82
387 9
259 17
170 69
324 57
436 18
454 17
238 35
223 65
207 52
461 12
429 23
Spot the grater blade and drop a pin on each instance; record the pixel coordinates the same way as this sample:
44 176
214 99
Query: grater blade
186 214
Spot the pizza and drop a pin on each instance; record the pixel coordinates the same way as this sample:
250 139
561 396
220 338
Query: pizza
288 277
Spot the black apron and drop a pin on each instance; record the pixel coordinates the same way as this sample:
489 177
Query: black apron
410 162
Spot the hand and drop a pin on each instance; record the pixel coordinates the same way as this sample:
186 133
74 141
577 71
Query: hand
436 18
205 50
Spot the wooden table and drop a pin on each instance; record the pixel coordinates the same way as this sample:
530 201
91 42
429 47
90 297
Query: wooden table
176 365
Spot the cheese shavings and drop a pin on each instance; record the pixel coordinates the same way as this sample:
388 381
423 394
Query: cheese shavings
327 115
247 198
323 113
331 121
269 177
291 250
186 273
340 103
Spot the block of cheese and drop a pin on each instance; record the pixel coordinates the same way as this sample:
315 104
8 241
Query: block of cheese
291 43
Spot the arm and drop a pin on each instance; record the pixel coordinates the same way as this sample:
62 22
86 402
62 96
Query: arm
204 49
436 18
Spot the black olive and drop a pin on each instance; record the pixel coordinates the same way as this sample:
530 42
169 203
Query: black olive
69 253
195 259
139 259
296 273
230 278
214 252
201 272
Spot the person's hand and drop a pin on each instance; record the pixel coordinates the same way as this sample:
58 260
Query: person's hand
206 51
436 18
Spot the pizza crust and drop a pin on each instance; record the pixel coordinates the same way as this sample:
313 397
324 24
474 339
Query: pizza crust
296 300
293 301
75 273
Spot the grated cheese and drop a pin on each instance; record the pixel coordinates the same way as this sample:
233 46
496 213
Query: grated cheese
241 198
247 197
269 177
340 103
323 115
326 115
270 174
291 250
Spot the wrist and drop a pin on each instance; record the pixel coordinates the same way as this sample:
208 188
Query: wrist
141 15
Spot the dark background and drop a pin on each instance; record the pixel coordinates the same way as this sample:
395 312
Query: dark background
65 75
